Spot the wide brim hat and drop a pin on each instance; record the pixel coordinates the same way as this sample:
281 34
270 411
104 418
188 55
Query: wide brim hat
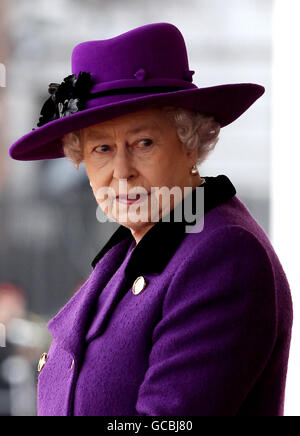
144 67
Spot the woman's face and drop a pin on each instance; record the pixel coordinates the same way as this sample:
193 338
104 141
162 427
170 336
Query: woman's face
140 150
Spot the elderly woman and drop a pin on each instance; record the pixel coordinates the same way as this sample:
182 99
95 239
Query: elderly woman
175 319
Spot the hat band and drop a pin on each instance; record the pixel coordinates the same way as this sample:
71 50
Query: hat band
135 90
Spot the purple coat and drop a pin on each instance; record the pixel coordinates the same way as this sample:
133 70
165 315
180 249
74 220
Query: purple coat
208 336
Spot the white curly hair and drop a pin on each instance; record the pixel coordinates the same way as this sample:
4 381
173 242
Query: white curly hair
194 130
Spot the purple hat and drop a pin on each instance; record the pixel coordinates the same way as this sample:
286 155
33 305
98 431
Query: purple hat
146 66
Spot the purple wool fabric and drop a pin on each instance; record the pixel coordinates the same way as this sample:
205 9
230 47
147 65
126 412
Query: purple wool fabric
208 336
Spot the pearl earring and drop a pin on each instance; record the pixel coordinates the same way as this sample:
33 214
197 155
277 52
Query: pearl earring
194 170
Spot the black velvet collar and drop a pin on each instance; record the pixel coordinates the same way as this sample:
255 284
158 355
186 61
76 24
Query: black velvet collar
157 246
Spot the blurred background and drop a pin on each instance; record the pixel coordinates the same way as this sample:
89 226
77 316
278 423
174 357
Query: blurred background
48 227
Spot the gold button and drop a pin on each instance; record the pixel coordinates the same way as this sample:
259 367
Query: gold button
42 361
139 285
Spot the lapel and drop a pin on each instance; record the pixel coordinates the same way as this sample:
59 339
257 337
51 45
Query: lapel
68 327
150 255
158 245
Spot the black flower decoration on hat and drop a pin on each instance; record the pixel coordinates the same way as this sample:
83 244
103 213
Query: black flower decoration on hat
66 98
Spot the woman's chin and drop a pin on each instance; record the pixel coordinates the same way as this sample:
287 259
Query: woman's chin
134 225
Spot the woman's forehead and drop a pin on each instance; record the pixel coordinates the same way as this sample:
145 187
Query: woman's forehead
130 124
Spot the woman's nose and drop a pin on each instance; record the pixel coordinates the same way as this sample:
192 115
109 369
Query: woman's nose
123 164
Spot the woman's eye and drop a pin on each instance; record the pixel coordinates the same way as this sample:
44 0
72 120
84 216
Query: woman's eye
101 148
147 142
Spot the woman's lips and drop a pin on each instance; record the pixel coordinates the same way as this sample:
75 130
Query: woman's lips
125 200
